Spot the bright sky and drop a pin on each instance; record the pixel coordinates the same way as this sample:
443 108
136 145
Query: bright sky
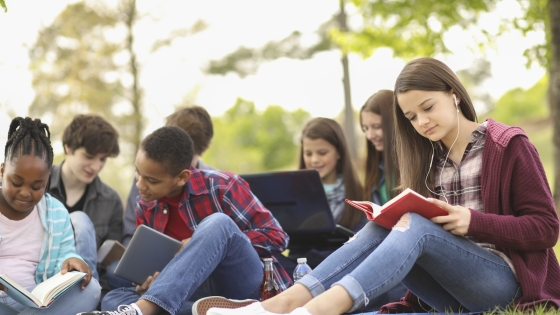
315 85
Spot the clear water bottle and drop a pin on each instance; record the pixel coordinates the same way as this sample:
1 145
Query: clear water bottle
302 269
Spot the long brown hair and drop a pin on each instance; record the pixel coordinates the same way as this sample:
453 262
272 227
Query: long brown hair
381 103
415 151
330 131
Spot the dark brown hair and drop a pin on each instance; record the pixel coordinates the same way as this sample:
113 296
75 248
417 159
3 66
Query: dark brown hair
381 103
93 133
330 131
196 121
414 151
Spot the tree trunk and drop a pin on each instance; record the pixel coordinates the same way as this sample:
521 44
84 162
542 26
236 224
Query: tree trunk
554 92
136 93
348 125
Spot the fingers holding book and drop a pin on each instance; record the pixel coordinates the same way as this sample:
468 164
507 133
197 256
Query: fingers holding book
457 221
79 265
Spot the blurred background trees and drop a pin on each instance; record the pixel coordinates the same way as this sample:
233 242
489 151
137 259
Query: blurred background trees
87 60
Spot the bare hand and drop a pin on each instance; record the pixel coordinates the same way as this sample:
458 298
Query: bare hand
141 289
3 288
185 242
79 265
458 220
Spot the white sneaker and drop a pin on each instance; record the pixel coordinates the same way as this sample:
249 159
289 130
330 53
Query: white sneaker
221 305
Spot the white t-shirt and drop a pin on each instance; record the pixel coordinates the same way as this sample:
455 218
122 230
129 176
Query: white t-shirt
20 247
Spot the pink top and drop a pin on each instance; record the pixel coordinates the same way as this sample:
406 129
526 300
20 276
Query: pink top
20 247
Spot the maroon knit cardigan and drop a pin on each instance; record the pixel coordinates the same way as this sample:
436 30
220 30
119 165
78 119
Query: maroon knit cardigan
519 216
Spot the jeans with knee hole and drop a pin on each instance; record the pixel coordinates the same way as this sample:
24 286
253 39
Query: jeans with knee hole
86 244
71 302
219 260
446 271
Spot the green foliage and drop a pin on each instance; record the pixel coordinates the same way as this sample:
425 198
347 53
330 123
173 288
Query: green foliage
411 27
248 141
416 27
245 61
518 106
73 67
3 5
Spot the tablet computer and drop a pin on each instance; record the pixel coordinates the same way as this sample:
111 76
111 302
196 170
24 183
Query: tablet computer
148 251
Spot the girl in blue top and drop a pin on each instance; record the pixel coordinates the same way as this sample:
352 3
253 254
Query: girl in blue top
324 148
36 237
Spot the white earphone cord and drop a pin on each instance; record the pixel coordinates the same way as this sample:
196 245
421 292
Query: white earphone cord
445 161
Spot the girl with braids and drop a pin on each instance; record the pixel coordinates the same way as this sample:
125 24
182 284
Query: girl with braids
36 237
493 249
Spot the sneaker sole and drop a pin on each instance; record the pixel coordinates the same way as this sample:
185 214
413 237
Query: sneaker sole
201 306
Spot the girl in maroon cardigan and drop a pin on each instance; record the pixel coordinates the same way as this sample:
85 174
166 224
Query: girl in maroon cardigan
493 249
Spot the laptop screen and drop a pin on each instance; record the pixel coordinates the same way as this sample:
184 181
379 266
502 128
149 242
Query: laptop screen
295 198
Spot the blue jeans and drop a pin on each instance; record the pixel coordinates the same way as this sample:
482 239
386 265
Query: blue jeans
69 303
446 271
86 244
219 260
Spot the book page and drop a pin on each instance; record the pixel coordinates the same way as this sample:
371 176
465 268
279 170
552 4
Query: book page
46 290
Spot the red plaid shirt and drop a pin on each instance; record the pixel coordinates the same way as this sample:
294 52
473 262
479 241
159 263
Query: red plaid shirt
208 192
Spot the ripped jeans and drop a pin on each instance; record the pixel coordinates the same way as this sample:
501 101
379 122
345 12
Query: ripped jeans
449 272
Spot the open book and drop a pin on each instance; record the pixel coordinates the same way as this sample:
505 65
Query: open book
389 214
110 251
43 294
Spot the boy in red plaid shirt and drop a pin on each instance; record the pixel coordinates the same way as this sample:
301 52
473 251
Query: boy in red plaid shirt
224 228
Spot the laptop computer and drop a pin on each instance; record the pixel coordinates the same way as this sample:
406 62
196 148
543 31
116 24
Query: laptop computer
298 201
148 251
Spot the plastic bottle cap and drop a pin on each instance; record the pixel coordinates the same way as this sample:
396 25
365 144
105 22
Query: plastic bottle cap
267 259
302 260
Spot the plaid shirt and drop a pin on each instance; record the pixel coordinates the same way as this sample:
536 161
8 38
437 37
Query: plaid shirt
461 183
208 192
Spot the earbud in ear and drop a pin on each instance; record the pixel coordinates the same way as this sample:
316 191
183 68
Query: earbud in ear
456 103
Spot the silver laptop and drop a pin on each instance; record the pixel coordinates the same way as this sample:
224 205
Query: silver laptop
148 251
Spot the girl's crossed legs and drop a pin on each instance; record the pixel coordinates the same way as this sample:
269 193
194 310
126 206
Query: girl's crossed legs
448 272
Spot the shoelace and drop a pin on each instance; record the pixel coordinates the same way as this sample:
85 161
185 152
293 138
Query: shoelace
122 310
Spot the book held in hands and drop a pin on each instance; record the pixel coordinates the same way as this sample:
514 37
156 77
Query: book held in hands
43 294
390 213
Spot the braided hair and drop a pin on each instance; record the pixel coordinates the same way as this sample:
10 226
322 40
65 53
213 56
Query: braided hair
29 137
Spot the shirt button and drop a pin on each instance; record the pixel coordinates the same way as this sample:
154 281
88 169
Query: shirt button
455 193
164 211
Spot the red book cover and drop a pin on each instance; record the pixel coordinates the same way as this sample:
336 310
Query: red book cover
389 214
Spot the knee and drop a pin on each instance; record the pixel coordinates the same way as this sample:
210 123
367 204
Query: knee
217 220
414 222
93 292
80 221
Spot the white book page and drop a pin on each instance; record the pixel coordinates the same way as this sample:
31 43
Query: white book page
51 286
